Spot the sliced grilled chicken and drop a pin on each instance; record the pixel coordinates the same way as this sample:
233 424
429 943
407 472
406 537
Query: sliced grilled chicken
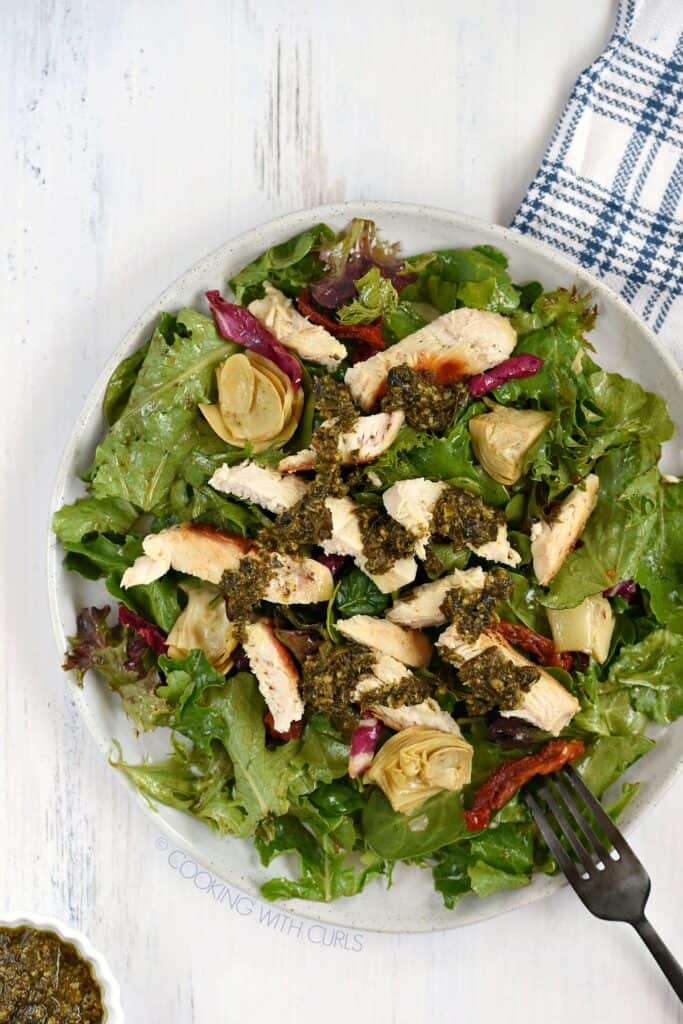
406 645
412 502
259 484
389 672
427 714
275 671
386 672
422 606
546 704
190 548
552 542
298 581
207 553
299 335
369 437
455 345
346 539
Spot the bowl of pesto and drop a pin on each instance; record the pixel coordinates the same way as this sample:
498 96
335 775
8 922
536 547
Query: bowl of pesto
373 508
50 972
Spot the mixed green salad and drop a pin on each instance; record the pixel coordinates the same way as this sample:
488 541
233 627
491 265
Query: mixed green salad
382 542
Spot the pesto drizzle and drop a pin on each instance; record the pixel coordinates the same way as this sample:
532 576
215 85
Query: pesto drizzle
471 612
465 519
427 404
492 681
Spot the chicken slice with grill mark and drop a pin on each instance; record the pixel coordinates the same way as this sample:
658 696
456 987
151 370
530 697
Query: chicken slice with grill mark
458 344
276 674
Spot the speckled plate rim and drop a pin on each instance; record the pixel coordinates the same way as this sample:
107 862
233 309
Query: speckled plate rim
284 226
111 996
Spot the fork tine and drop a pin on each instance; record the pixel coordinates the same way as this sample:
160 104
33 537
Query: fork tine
568 832
599 849
603 819
554 844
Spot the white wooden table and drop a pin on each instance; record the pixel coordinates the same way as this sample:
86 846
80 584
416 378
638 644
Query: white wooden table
137 136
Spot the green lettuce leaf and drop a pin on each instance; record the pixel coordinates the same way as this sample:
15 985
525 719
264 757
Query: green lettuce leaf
93 515
376 296
620 529
145 451
454 277
121 384
652 672
99 556
608 757
289 266
660 569
417 453
485 879
325 872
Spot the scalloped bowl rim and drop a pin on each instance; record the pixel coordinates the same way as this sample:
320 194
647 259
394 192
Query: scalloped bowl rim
111 996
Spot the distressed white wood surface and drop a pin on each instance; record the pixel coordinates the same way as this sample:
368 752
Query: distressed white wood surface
136 137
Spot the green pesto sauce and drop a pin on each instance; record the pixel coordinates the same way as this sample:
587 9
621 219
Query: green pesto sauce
494 682
384 540
338 414
329 677
410 690
464 518
44 980
427 404
471 612
244 587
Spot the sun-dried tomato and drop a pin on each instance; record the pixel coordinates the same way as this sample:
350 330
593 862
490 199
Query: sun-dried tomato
543 649
293 733
508 778
370 334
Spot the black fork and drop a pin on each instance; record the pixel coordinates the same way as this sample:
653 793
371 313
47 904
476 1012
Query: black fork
604 873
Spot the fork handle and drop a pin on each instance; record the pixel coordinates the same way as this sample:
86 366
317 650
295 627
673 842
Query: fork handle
664 958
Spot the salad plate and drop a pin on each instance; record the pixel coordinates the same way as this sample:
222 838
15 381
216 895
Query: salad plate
622 345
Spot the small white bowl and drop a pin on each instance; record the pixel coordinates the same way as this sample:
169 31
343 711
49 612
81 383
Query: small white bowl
111 996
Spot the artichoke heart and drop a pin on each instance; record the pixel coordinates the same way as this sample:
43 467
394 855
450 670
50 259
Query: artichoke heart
503 438
204 624
588 627
257 403
417 763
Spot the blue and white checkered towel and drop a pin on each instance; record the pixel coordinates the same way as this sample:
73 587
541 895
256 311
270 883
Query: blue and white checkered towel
609 192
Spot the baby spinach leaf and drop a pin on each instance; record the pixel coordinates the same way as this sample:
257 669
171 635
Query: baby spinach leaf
395 836
357 594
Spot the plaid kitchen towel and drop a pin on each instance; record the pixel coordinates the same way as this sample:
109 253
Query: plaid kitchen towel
609 192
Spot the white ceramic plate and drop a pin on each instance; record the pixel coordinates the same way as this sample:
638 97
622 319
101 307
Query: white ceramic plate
623 344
